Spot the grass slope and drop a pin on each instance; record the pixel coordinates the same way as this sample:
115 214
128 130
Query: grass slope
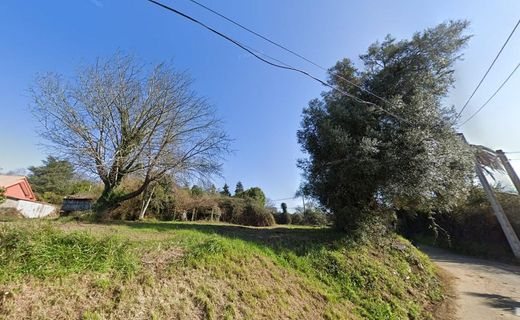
150 270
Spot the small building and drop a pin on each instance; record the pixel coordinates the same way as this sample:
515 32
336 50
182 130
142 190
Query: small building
76 203
19 196
17 187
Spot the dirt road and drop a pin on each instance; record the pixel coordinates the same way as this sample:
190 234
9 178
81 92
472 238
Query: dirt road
484 289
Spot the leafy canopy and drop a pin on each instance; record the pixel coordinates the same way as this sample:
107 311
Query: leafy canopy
400 151
54 175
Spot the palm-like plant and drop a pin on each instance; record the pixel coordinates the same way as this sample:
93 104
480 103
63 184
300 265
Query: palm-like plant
487 159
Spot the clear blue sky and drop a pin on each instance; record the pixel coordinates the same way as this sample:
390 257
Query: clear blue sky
261 105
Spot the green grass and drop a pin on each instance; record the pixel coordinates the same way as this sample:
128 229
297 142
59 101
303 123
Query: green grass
46 252
158 270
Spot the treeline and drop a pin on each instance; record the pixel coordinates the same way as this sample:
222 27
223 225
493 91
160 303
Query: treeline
165 200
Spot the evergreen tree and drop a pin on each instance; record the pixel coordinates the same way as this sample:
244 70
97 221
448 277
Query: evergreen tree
225 191
399 150
54 176
239 189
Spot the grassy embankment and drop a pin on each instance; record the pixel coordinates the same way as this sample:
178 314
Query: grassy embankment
150 270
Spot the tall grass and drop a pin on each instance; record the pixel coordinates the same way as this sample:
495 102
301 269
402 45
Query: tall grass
42 251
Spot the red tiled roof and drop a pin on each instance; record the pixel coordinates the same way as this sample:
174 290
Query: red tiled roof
7 181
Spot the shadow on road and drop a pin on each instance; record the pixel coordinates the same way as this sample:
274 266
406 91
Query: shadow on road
497 301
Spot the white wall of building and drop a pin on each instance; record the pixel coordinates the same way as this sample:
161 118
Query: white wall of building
29 209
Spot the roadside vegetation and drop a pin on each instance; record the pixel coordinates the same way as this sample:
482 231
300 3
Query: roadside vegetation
190 270
159 247
470 228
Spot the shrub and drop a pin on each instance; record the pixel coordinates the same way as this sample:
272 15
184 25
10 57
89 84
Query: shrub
297 218
283 218
256 215
315 218
231 209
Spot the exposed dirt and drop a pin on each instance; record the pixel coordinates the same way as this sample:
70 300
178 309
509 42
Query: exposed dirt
483 289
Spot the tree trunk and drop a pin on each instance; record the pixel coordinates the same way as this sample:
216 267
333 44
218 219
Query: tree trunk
145 207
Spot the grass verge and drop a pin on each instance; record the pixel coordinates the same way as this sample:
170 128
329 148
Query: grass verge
152 270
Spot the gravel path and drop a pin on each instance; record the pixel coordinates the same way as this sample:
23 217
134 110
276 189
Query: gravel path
484 289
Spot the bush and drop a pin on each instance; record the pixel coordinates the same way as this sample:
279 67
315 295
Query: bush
256 215
231 209
297 218
315 218
283 218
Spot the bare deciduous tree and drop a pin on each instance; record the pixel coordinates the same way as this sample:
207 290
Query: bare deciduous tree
120 118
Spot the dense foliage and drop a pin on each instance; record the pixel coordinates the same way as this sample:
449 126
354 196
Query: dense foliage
392 145
471 227
55 179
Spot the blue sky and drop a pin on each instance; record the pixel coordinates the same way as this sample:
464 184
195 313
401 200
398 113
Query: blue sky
261 106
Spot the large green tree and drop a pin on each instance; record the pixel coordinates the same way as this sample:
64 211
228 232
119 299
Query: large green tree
391 144
255 194
54 175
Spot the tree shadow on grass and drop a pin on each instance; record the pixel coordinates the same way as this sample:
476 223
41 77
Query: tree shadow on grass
297 240
498 301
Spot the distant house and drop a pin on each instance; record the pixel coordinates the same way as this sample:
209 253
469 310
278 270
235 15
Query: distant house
19 196
17 187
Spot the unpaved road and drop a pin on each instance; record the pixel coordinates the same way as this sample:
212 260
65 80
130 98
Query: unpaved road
484 289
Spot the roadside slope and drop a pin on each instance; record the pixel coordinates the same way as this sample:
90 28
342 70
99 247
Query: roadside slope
484 289
151 270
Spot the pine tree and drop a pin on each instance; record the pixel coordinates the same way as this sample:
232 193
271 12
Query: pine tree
239 189
225 191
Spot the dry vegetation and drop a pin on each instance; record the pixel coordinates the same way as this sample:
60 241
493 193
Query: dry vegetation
150 270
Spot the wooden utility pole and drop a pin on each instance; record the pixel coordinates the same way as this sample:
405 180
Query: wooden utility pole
509 169
508 230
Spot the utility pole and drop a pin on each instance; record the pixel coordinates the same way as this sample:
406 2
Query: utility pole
508 230
509 169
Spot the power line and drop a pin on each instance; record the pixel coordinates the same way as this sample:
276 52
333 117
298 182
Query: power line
513 152
284 199
282 66
284 48
491 66
492 96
